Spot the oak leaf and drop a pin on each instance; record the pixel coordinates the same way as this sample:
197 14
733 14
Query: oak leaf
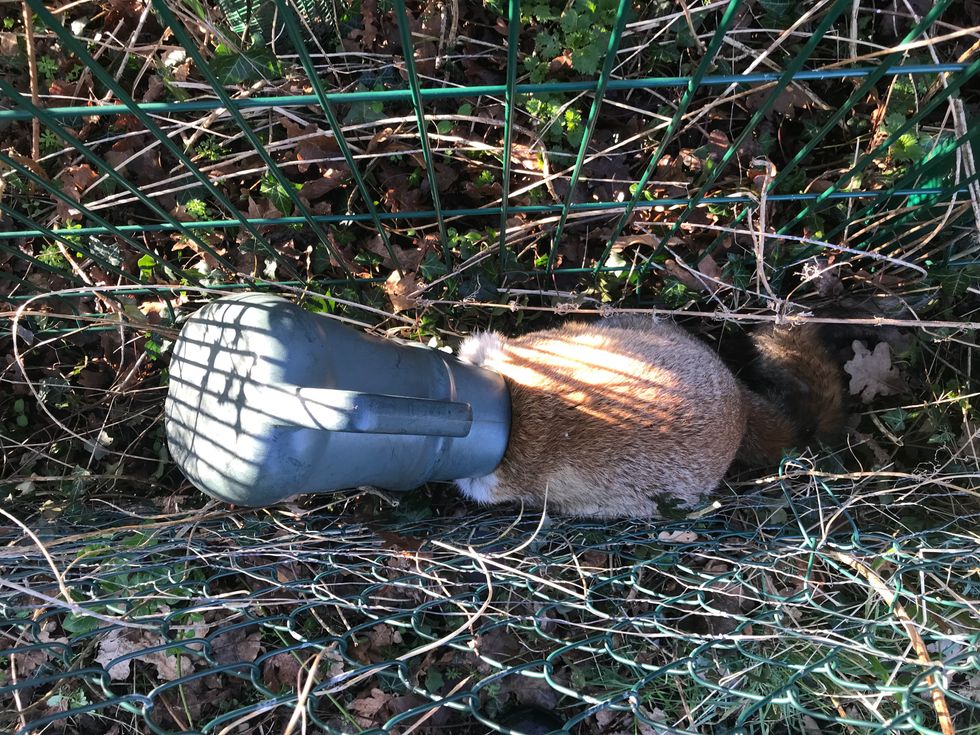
872 373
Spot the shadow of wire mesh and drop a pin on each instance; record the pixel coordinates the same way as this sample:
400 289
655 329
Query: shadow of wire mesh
728 160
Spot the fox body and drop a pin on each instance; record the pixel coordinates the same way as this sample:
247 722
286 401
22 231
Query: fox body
625 416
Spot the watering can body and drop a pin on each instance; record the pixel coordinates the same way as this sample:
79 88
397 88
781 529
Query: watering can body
267 400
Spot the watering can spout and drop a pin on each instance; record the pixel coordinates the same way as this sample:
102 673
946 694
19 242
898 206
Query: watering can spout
267 400
331 409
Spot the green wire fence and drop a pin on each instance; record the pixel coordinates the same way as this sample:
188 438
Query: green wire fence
506 160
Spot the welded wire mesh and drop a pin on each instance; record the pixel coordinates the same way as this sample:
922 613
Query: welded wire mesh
522 159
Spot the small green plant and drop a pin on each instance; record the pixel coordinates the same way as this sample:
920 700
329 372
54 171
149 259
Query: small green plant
197 209
579 29
20 413
485 178
209 150
73 699
49 141
553 121
277 194
48 68
51 255
153 348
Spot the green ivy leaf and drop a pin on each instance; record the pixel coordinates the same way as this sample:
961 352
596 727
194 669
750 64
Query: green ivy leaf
277 194
245 66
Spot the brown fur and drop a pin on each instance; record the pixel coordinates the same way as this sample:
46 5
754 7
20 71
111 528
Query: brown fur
615 418
799 395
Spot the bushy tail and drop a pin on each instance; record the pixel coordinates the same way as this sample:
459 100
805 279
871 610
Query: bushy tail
794 393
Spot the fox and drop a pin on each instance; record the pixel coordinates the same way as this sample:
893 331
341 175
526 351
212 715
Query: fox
633 417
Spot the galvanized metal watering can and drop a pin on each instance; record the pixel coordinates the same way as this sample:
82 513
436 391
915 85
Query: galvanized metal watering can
267 400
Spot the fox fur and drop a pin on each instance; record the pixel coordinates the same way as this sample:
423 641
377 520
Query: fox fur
626 416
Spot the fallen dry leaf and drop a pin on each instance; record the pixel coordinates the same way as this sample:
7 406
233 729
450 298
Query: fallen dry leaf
236 645
407 259
605 717
375 647
309 144
367 708
872 373
787 102
369 13
74 181
680 537
8 44
123 641
695 280
399 290
26 663
280 672
708 267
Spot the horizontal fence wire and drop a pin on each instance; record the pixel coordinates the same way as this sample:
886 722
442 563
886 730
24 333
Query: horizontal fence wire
443 93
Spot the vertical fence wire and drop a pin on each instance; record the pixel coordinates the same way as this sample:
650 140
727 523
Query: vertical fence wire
78 48
408 56
338 133
622 13
692 87
513 40
273 168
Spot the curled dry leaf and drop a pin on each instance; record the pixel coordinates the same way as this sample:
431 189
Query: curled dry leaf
319 188
872 373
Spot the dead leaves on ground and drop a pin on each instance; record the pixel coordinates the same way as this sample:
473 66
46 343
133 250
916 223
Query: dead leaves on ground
872 373
131 645
74 181
401 290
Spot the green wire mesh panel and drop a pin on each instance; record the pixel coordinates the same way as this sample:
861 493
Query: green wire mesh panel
599 131
219 621
428 168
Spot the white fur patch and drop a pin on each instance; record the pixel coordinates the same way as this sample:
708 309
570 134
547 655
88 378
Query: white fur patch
481 348
480 489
